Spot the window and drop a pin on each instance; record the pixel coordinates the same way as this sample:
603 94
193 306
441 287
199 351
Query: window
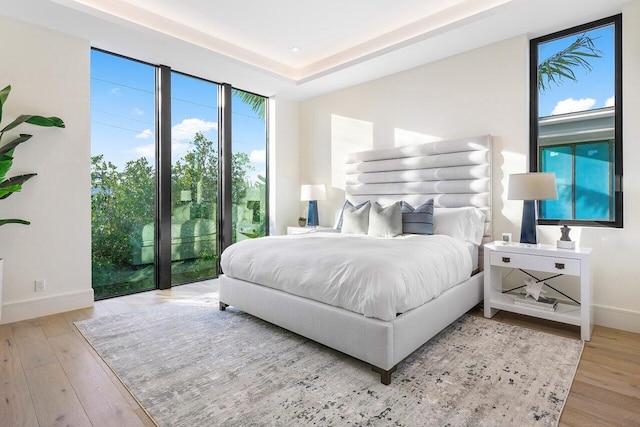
576 122
249 165
161 151
123 175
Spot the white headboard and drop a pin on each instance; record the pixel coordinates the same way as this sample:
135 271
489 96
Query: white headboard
453 173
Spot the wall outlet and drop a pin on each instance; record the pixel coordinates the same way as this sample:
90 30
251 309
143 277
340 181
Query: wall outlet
40 285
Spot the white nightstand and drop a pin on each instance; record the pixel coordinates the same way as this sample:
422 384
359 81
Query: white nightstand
543 258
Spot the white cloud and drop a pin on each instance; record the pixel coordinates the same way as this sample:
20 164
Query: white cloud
115 91
610 102
182 136
148 151
137 112
258 156
187 129
571 105
179 149
144 134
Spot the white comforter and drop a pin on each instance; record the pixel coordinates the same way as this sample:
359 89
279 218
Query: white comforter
373 276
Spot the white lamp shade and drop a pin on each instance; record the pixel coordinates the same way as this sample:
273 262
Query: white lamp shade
313 192
532 186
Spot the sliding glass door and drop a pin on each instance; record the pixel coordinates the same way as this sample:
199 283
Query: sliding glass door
159 211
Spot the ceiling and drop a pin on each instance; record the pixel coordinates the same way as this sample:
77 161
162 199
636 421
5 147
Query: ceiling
248 43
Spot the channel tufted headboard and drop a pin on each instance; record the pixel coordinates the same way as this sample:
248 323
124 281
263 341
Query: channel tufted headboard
455 173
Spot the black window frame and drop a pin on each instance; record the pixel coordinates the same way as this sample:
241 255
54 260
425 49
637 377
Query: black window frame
162 199
534 149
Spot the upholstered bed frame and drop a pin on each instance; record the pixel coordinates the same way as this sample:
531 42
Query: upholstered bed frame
454 173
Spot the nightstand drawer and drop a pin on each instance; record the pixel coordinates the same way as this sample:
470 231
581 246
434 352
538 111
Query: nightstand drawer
535 262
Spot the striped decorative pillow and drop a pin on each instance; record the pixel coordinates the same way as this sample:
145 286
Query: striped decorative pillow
418 220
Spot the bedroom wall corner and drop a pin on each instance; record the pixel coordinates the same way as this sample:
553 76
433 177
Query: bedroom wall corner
284 169
49 75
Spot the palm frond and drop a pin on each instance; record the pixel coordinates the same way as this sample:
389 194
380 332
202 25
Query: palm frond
561 65
257 102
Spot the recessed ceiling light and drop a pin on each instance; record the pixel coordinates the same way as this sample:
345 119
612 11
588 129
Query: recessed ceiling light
295 49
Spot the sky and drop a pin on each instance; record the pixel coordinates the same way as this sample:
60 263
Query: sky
593 89
123 114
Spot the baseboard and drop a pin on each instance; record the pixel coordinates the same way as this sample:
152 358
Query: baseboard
617 318
29 309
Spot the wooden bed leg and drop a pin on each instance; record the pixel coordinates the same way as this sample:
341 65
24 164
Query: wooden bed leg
223 306
385 376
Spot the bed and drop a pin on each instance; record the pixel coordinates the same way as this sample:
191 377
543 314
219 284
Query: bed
455 174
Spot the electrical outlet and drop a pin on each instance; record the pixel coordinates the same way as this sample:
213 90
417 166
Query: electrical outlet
40 285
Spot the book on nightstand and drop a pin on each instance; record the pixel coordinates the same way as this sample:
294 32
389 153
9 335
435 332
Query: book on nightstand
543 303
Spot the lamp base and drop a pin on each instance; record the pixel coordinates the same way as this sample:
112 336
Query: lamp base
312 216
528 232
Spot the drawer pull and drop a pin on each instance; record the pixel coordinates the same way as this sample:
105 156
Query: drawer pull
560 265
507 260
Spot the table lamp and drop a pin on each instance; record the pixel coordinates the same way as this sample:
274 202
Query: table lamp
313 193
531 187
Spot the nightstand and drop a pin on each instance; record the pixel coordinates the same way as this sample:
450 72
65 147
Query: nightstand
539 258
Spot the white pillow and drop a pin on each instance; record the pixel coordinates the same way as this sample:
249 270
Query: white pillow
385 222
466 224
355 220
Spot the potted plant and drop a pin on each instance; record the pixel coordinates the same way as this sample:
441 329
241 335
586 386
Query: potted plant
302 221
11 185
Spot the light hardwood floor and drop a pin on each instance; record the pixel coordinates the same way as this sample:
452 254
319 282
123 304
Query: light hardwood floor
52 377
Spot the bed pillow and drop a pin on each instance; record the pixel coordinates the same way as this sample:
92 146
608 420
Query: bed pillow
466 224
347 203
385 222
418 220
355 220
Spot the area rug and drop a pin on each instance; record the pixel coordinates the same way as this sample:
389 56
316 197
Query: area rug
191 365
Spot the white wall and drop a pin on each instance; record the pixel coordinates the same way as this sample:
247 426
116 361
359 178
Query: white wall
49 75
284 172
475 93
484 91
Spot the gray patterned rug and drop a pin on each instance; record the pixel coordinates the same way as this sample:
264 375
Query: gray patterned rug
191 365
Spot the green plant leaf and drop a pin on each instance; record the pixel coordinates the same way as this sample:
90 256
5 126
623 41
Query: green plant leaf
34 120
5 165
560 65
4 94
13 184
9 190
13 221
258 103
46 121
14 143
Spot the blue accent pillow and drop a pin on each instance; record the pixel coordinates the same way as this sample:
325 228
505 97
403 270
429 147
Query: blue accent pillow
348 203
418 220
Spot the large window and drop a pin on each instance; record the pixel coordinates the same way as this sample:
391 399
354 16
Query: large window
194 178
161 151
576 122
123 175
